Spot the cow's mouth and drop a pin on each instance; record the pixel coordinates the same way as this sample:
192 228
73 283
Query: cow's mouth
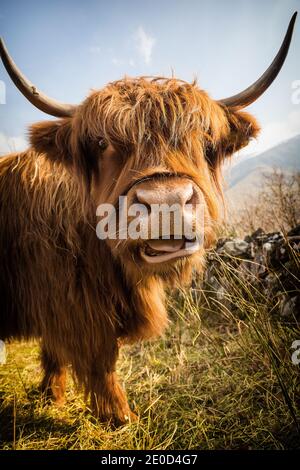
160 251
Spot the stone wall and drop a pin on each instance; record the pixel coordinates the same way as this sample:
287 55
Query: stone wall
265 265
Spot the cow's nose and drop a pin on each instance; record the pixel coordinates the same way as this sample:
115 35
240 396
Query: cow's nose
181 194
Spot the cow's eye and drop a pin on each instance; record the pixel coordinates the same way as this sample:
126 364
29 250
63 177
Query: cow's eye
103 144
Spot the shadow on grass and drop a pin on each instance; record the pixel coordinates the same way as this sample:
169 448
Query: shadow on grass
30 421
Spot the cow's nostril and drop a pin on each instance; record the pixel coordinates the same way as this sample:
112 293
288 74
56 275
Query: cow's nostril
148 206
139 199
190 199
188 195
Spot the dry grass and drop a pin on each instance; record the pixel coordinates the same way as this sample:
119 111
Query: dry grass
217 380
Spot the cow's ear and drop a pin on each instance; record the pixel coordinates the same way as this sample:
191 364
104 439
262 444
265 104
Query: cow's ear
239 129
242 128
59 141
53 138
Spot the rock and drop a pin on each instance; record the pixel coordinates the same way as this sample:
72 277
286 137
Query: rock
257 234
221 241
267 247
271 283
235 247
265 263
278 255
275 236
290 306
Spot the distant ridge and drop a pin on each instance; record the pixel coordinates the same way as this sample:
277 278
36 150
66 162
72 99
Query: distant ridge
246 177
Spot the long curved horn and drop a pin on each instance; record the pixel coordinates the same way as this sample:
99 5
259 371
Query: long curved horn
36 97
254 91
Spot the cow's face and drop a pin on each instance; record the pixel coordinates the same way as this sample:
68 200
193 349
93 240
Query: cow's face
159 143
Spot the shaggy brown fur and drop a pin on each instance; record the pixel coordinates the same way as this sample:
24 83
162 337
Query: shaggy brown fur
58 281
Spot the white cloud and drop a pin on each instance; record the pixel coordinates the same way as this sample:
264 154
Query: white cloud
145 44
117 61
274 133
11 144
95 49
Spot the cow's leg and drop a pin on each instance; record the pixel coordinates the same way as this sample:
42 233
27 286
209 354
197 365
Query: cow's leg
108 399
54 381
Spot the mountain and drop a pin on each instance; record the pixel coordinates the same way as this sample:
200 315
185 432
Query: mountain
245 178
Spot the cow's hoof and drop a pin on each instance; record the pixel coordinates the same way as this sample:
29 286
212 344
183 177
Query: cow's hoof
53 395
127 418
120 419
132 418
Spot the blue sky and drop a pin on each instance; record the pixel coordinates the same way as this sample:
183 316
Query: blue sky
67 47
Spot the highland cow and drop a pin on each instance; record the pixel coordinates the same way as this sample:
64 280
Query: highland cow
154 140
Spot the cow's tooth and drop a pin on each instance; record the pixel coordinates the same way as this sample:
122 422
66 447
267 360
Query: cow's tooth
192 245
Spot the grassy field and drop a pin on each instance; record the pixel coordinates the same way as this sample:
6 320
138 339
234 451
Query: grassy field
217 380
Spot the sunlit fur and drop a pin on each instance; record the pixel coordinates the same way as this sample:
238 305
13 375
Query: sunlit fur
58 281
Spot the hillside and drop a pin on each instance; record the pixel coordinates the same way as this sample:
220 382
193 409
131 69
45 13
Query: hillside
246 177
